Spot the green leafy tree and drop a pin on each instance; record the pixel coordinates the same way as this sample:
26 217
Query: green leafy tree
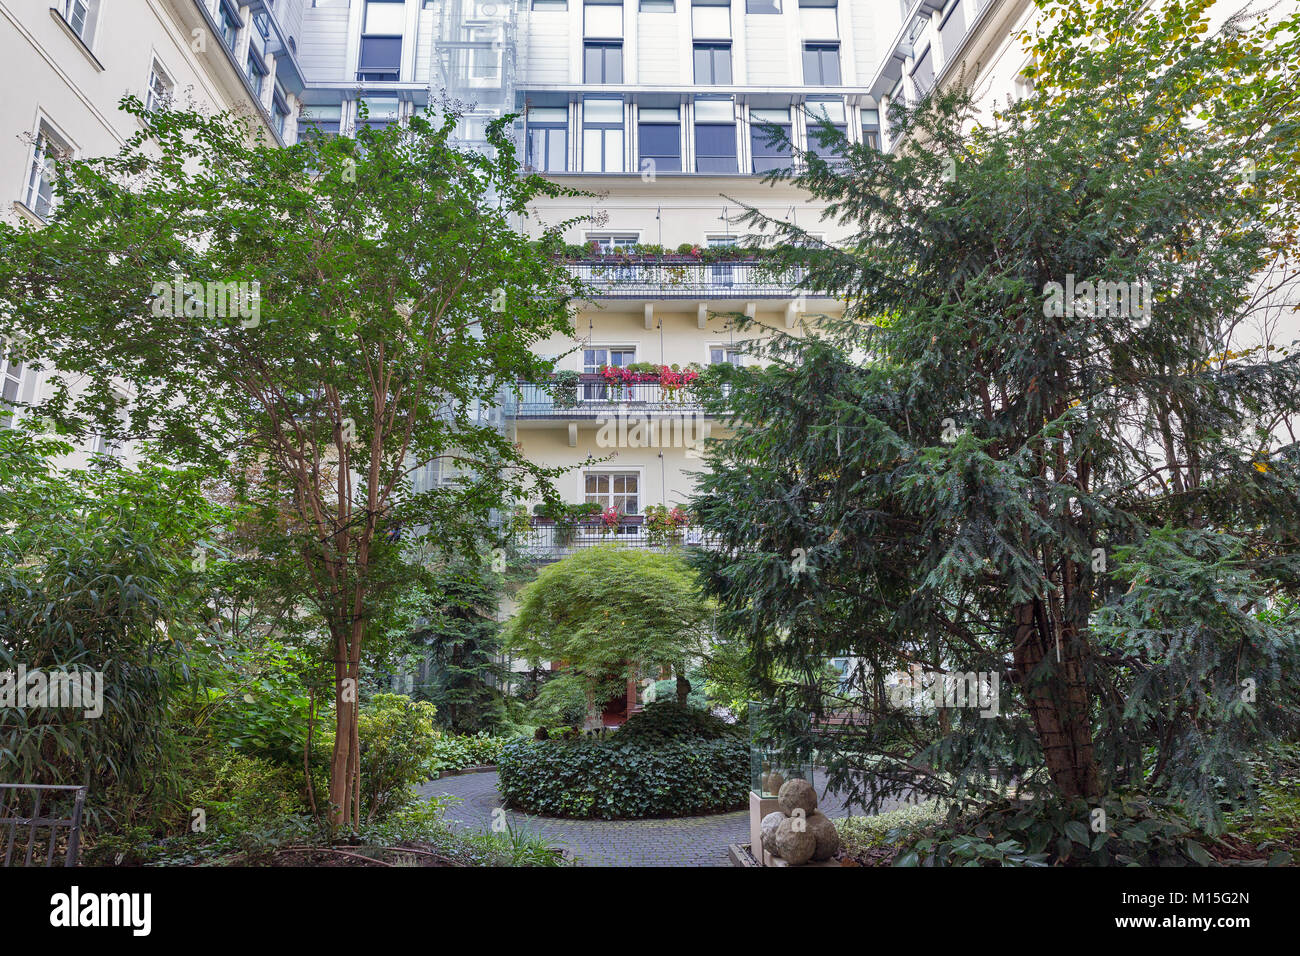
610 614
1093 500
385 299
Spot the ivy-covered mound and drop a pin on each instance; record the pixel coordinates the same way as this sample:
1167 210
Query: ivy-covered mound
646 770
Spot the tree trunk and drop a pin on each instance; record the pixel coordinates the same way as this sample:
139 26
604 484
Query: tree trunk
1058 700
343 760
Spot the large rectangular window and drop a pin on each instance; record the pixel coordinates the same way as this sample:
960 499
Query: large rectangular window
603 62
762 6
713 64
618 490
602 136
547 139
593 360
228 21
159 94
323 120
715 137
821 141
381 40
765 154
659 135
821 64
381 111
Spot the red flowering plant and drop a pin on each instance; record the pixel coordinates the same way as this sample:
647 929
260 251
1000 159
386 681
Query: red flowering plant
608 520
664 525
672 380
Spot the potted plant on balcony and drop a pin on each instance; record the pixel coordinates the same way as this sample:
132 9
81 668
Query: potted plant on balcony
665 525
565 394
609 520
673 381
566 518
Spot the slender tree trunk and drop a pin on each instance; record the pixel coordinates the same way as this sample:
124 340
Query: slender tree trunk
1058 700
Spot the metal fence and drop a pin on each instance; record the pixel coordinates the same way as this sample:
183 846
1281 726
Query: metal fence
547 541
750 278
593 398
40 819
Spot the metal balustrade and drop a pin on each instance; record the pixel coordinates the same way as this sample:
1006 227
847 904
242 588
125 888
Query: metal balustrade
670 279
593 397
546 541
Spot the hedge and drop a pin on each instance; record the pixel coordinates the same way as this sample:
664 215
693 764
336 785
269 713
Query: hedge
613 780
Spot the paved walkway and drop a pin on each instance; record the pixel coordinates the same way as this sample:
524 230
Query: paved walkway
682 841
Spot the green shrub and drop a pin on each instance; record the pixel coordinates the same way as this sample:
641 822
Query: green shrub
456 752
245 787
860 834
668 721
615 779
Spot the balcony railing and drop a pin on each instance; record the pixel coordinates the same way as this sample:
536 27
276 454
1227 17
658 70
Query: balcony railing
593 397
667 278
547 541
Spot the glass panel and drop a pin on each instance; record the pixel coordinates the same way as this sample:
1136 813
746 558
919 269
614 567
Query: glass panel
602 111
763 6
380 54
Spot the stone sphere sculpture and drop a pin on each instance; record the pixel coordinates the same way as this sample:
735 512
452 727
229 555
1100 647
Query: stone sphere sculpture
797 794
769 826
795 846
823 830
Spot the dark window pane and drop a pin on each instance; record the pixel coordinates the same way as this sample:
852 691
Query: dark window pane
715 148
663 144
768 155
380 54
763 6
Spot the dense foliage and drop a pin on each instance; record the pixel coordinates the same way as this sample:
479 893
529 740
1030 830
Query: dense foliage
613 780
667 721
1093 504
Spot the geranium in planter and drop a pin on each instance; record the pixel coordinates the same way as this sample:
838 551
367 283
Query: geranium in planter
664 525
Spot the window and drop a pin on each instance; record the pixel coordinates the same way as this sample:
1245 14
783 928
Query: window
710 21
602 136
279 110
324 120
39 197
715 136
721 355
547 142
765 154
550 6
603 62
713 64
381 111
593 360
821 64
81 15
721 273
381 40
923 73
228 22
657 6
659 134
607 242
11 379
255 71
159 93
762 6
602 19
821 113
871 128
619 490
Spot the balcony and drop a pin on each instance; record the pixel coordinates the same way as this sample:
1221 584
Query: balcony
683 277
545 541
592 398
